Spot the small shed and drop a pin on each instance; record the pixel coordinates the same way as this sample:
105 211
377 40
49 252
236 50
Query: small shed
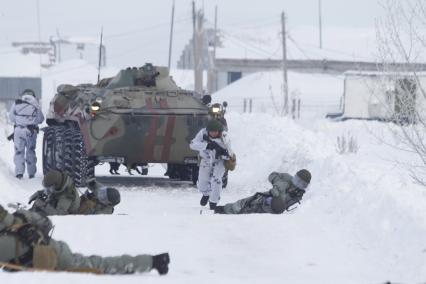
387 96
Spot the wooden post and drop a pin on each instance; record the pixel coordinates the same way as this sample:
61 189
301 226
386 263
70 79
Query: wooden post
320 23
298 108
199 66
284 65
171 35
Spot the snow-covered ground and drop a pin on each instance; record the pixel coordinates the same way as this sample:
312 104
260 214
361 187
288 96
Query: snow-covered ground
362 220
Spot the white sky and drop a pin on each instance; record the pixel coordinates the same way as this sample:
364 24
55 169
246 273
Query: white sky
137 31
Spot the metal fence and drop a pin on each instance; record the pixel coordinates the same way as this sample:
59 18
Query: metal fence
298 108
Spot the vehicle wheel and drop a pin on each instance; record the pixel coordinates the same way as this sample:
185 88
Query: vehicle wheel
53 148
77 164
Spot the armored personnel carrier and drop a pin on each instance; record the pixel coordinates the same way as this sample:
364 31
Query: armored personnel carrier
139 116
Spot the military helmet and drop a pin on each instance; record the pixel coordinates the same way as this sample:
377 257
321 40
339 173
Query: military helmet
109 196
302 179
53 178
28 92
214 125
113 196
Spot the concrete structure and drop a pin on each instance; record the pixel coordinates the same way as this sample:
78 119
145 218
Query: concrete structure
389 96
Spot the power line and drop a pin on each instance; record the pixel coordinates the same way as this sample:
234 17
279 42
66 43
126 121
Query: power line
148 28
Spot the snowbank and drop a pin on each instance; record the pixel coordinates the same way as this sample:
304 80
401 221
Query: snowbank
361 221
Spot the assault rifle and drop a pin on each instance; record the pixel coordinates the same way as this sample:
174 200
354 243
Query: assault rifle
15 267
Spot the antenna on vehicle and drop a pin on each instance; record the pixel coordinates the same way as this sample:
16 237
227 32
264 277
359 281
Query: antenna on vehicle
100 56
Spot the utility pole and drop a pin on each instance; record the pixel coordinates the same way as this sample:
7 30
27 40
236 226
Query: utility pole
320 23
194 44
100 56
284 64
39 30
211 79
171 35
59 57
198 54
214 49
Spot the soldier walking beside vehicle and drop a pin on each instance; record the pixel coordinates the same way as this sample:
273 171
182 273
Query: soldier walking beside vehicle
214 148
25 244
26 115
287 190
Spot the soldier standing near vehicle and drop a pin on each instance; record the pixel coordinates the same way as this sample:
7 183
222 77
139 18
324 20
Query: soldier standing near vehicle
25 244
26 115
214 148
98 199
287 190
59 197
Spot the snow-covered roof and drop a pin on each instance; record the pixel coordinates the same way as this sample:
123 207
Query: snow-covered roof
356 73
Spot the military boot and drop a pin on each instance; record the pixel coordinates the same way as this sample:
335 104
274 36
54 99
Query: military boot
204 200
219 210
212 205
161 263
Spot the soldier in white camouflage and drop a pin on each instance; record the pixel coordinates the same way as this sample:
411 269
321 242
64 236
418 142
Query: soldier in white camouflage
214 147
25 243
59 196
287 190
26 115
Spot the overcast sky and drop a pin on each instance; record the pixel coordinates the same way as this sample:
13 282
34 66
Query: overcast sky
137 31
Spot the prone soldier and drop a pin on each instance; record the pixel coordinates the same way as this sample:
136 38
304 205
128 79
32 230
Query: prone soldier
59 197
98 199
287 190
25 243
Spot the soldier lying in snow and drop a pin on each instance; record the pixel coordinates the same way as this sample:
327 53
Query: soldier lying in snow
98 199
287 190
25 243
60 197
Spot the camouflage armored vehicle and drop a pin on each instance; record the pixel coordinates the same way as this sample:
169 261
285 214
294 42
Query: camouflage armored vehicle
139 116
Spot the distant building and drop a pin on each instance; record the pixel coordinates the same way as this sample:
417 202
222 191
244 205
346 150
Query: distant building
388 96
248 51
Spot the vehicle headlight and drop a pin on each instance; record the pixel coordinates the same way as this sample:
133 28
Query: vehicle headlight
95 106
215 109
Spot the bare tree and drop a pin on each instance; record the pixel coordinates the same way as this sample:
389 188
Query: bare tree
401 37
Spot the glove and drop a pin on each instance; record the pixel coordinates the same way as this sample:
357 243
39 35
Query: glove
41 194
221 152
212 145
161 263
31 234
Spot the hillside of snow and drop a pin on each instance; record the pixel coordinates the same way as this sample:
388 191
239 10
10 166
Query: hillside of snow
362 219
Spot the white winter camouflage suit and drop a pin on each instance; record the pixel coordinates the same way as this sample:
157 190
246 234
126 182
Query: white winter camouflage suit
211 169
66 259
25 112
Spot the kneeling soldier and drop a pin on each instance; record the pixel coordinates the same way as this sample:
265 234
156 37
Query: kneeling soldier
25 244
286 191
60 197
98 199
